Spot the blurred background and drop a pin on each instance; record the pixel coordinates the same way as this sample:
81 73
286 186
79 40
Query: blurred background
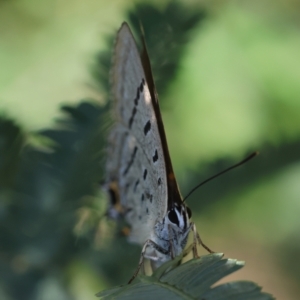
227 75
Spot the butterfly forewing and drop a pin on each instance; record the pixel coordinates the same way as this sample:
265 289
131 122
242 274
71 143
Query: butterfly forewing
135 155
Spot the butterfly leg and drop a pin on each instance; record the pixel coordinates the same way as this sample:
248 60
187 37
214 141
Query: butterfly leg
195 252
197 238
141 261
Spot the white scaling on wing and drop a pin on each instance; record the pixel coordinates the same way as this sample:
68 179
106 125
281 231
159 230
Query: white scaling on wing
135 155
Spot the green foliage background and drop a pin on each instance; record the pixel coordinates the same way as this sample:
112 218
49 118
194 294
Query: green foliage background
227 74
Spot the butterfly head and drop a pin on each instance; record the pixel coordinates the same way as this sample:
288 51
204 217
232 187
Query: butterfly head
179 215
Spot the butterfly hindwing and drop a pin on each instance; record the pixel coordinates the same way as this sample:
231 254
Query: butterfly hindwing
135 154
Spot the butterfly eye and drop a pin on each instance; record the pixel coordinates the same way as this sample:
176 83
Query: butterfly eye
189 212
173 217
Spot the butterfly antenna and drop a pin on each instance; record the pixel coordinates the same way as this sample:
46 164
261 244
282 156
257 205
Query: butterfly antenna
222 172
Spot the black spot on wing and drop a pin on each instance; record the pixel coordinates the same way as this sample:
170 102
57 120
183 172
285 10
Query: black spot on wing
145 174
149 196
142 85
155 157
139 90
143 197
131 160
136 185
147 127
137 97
134 110
147 211
159 181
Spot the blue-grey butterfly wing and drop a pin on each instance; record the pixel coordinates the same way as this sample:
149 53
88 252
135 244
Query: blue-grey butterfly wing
135 153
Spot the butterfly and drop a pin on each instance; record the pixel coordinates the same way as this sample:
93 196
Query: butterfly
140 180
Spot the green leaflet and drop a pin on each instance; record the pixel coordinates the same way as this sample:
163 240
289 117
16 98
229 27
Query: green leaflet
191 280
